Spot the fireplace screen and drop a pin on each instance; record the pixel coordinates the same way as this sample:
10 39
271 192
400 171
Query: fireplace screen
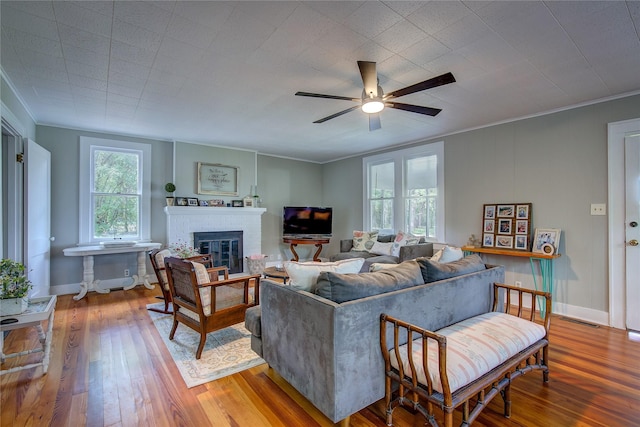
225 248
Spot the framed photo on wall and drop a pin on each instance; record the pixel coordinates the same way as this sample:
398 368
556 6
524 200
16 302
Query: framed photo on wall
507 226
217 179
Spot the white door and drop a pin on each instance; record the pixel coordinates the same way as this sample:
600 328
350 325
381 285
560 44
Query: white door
632 229
37 207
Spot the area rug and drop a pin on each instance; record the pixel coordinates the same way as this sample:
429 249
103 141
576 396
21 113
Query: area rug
226 351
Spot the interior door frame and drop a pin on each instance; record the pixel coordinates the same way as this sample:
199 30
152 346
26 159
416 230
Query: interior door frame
616 133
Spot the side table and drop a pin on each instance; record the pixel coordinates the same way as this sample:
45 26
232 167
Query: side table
295 242
38 310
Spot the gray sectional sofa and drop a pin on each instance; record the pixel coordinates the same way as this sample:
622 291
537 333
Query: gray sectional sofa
422 249
328 347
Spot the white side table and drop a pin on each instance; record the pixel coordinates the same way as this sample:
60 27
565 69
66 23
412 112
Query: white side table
39 310
88 252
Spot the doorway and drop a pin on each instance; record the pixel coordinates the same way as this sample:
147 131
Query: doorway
623 287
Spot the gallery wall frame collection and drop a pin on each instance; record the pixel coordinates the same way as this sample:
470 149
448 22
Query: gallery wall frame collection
507 226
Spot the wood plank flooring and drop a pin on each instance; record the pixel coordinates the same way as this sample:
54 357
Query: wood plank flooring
109 367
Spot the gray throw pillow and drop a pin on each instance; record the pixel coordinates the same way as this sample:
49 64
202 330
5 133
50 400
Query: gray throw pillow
433 271
346 287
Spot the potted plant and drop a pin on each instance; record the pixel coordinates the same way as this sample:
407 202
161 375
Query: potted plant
14 287
169 187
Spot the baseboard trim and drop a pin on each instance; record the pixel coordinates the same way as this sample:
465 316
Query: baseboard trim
586 314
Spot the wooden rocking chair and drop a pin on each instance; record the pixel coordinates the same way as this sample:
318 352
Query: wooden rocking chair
203 302
157 257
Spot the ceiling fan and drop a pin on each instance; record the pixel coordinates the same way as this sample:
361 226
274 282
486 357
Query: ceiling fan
373 99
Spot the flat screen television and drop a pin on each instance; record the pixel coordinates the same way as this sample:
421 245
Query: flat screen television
307 222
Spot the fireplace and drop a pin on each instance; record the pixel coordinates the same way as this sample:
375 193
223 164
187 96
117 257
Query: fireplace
184 221
225 248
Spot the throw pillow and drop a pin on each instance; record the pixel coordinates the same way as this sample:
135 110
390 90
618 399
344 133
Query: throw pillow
448 254
377 266
347 287
303 275
364 240
160 256
403 239
380 248
202 277
433 271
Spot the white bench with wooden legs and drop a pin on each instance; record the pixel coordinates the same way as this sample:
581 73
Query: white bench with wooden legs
468 363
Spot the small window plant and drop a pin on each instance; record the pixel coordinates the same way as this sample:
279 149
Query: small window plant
170 187
13 281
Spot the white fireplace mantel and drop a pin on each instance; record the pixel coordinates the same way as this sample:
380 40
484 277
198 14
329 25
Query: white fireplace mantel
183 221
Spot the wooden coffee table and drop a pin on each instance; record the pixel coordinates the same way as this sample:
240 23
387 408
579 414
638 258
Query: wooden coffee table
278 274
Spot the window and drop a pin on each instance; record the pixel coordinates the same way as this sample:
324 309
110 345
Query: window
405 191
114 190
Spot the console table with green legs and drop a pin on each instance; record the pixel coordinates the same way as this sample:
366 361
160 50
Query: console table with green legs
544 261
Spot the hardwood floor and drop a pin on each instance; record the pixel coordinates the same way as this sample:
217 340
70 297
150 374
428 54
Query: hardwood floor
109 367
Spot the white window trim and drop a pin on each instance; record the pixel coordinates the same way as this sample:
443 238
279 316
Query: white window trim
84 221
399 157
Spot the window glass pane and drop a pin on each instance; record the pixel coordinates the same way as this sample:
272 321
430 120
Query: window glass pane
115 172
115 216
382 215
381 180
422 174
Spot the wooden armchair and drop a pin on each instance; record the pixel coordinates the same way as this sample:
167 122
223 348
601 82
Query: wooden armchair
205 303
157 257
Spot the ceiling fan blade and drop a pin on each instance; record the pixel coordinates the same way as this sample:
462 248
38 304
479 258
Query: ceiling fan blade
319 95
374 121
428 111
444 79
333 116
369 76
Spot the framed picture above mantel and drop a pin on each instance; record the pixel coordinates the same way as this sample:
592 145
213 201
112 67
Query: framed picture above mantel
506 226
218 180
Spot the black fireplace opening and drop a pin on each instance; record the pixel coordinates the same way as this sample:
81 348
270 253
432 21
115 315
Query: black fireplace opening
225 248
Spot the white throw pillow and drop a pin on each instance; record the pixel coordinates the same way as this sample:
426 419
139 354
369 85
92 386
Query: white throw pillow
403 239
364 240
448 254
380 248
303 275
377 266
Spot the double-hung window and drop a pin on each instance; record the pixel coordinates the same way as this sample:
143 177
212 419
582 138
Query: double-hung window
404 191
114 190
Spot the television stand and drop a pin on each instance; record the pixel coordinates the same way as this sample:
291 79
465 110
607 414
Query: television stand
293 242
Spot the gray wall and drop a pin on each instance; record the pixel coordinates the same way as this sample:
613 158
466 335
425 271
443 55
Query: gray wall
64 145
556 161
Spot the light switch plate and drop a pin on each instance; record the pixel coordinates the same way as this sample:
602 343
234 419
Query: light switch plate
598 209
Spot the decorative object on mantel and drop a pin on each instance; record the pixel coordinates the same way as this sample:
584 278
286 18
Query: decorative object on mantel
237 203
169 187
218 203
256 197
546 241
247 202
14 288
217 179
506 226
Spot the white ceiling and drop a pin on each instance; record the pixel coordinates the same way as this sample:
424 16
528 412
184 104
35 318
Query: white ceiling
225 73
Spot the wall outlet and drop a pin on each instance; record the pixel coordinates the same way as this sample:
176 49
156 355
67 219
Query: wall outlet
126 273
518 284
598 209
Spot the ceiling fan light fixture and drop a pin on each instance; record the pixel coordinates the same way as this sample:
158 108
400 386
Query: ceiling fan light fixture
372 105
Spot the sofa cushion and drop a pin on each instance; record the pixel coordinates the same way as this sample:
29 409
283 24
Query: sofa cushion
253 320
403 239
364 240
346 287
377 266
303 275
432 271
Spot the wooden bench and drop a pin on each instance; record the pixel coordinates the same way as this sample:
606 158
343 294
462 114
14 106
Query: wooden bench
485 353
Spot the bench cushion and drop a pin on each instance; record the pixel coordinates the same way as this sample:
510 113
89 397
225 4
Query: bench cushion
474 347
